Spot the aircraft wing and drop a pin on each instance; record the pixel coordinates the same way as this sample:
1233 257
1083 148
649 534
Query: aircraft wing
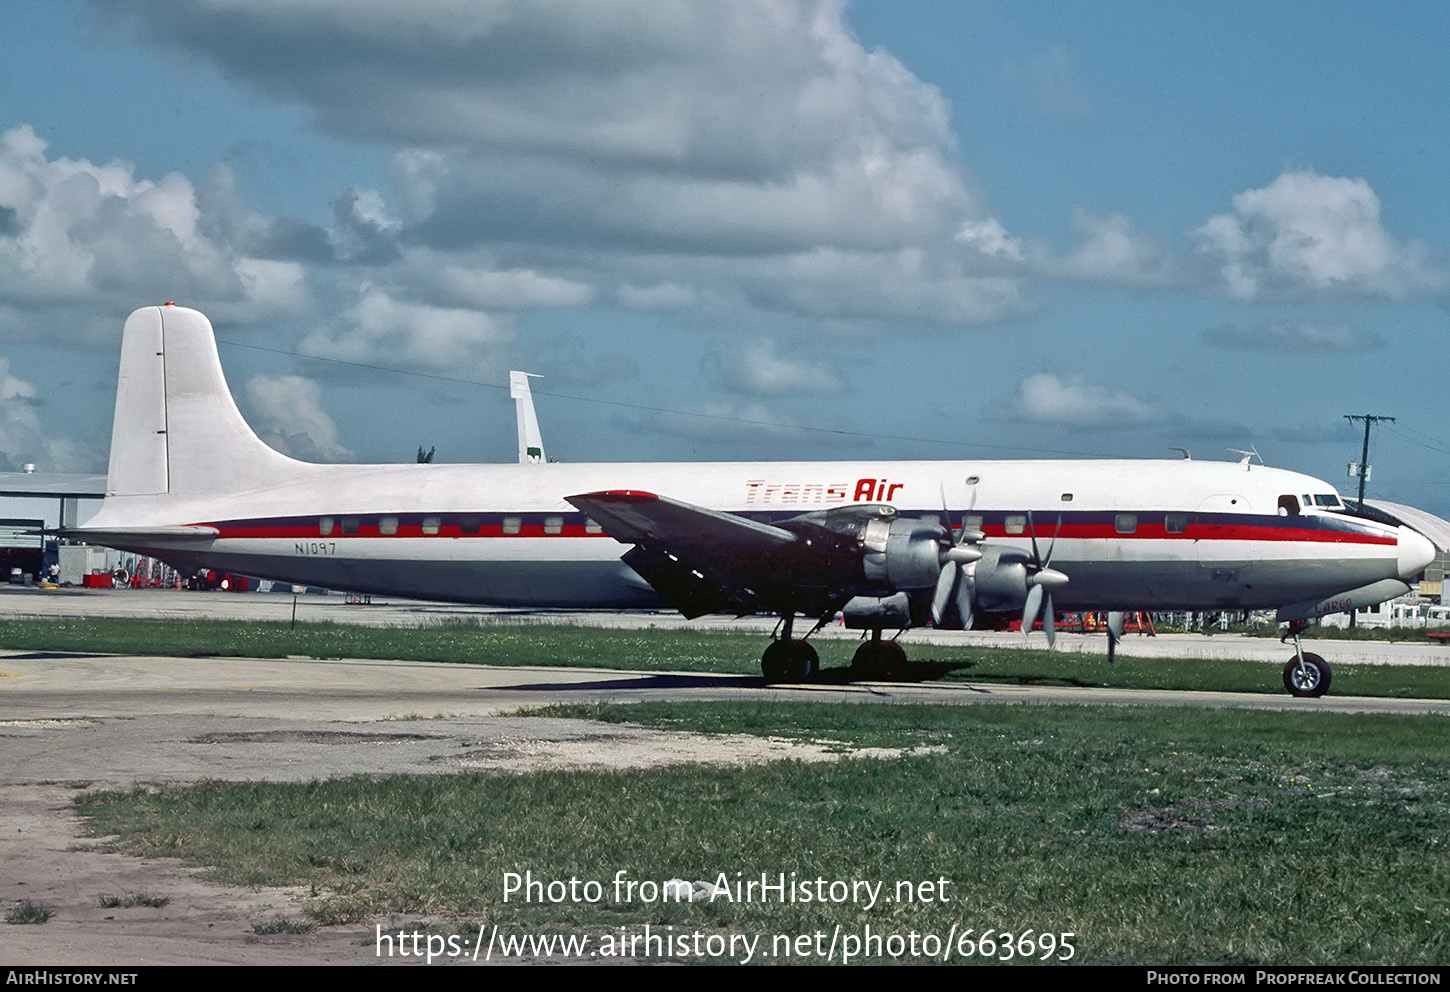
636 517
700 560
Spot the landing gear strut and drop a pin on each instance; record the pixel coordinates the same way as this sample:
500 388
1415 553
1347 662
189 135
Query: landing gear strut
1306 675
787 660
879 660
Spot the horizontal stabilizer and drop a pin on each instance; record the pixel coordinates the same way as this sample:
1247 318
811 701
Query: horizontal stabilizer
121 537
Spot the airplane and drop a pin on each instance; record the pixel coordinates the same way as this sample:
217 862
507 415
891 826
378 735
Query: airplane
887 545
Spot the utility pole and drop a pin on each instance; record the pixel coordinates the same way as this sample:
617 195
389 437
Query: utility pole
1369 420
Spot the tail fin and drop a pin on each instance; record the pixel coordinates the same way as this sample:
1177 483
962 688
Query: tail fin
531 442
177 429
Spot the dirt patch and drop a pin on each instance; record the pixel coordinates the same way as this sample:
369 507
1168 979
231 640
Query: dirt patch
44 858
630 747
183 919
1189 814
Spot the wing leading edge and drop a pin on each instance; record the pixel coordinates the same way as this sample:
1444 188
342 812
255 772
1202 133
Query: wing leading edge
706 561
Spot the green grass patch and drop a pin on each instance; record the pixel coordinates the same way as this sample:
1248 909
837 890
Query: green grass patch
28 911
1183 836
130 900
655 650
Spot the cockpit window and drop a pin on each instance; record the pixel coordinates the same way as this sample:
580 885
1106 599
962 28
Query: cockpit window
1327 499
1289 503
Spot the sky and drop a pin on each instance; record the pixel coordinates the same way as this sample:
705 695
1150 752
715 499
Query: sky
758 230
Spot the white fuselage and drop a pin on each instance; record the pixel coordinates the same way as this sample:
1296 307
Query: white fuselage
1128 534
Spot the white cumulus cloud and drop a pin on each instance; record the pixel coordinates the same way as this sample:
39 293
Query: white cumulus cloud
1307 234
383 330
286 412
1054 398
640 143
758 368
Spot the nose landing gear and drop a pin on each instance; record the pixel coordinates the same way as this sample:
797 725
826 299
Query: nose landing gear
1306 675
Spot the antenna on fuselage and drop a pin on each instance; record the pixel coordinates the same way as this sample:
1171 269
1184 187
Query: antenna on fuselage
531 442
1247 455
1187 455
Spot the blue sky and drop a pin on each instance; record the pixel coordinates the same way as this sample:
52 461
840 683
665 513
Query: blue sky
756 230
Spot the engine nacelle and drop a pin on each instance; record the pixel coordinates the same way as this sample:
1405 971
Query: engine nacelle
999 580
878 612
903 553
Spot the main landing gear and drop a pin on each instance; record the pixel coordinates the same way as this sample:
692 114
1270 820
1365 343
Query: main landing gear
878 660
787 660
1306 675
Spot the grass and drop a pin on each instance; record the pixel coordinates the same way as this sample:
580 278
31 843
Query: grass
28 911
283 924
1163 837
680 650
128 900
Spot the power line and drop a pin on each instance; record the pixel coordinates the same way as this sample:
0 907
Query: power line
836 431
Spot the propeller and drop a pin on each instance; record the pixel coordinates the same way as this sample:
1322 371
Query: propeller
1040 583
953 557
1115 632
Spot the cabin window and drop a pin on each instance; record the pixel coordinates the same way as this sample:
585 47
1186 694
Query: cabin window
1126 523
324 526
349 525
1175 523
470 524
512 525
387 525
1067 497
592 526
1289 503
431 524
972 521
1015 523
553 525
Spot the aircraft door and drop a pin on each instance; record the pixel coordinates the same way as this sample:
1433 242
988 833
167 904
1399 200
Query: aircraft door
1226 556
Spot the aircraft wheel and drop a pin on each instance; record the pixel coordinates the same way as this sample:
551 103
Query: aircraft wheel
1309 682
883 661
895 661
789 661
804 662
866 662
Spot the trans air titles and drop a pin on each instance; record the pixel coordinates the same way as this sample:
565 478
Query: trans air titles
762 492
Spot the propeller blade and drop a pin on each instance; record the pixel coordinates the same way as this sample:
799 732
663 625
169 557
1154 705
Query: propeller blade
1115 633
964 599
1055 531
945 584
1029 611
1049 620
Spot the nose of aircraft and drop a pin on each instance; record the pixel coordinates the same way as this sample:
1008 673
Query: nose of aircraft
1415 552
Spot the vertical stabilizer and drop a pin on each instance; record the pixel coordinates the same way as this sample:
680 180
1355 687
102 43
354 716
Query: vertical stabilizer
177 429
531 442
138 432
